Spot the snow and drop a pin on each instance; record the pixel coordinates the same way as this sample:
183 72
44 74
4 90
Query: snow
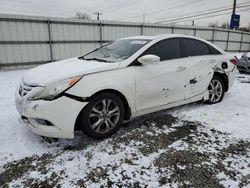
231 116
64 69
16 141
247 54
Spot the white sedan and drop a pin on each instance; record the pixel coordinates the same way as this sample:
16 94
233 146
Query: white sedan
127 78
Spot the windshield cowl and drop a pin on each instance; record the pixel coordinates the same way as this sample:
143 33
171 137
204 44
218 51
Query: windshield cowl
95 59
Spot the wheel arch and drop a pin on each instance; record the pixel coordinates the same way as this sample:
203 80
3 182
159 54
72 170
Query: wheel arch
113 91
224 77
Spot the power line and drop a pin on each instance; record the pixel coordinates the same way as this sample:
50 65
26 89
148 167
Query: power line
198 12
208 16
23 4
201 14
176 7
163 10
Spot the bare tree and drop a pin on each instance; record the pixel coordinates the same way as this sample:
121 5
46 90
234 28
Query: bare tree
244 28
82 15
213 24
225 25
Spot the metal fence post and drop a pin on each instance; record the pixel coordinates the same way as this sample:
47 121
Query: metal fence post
241 40
228 33
100 27
195 31
50 41
141 29
173 29
212 40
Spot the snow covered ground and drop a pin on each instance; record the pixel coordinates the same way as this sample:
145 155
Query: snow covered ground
196 144
232 115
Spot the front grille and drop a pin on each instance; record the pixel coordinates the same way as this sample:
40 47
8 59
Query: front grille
24 89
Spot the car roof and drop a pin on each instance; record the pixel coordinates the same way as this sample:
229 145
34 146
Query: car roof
144 37
166 36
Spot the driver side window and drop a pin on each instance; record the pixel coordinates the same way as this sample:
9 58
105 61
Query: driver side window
165 49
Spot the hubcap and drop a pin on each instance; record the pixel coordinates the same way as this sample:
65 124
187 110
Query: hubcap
104 116
215 90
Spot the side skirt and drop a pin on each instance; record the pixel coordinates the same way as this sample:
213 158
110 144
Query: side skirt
203 97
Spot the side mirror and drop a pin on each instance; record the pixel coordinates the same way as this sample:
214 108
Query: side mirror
149 59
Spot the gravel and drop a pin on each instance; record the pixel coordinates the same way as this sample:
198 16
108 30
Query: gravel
155 150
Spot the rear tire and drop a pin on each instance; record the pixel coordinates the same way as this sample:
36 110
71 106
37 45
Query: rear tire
103 116
216 90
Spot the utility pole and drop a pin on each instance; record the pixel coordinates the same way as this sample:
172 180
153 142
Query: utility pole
234 7
235 19
98 15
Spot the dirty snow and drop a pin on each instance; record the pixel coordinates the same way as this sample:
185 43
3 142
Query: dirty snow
231 115
194 145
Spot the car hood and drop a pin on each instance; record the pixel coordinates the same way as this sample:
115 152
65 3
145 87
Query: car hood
59 70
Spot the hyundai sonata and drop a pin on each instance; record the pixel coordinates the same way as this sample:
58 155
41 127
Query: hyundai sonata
124 79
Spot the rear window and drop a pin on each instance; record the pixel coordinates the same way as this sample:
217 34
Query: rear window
213 51
195 48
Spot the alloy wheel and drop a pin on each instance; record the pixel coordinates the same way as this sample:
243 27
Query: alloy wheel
104 116
215 90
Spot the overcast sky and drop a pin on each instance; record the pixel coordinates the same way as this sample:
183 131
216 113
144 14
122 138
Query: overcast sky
128 10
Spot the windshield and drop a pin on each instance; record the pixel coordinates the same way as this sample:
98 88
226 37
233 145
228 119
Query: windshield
116 51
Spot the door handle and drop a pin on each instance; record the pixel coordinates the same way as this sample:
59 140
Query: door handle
180 69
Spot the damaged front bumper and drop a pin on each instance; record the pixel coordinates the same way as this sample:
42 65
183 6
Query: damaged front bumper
54 118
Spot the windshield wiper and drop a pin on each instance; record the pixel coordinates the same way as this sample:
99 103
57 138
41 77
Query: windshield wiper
96 59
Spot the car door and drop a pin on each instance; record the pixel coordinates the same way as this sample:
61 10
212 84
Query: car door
162 83
200 65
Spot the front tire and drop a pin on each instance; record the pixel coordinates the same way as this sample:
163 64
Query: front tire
216 90
103 116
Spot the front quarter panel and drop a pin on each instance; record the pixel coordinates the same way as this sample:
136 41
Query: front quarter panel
121 80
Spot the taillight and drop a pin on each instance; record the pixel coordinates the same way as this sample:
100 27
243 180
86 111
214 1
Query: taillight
233 61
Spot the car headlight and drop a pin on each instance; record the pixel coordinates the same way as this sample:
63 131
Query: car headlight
54 90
